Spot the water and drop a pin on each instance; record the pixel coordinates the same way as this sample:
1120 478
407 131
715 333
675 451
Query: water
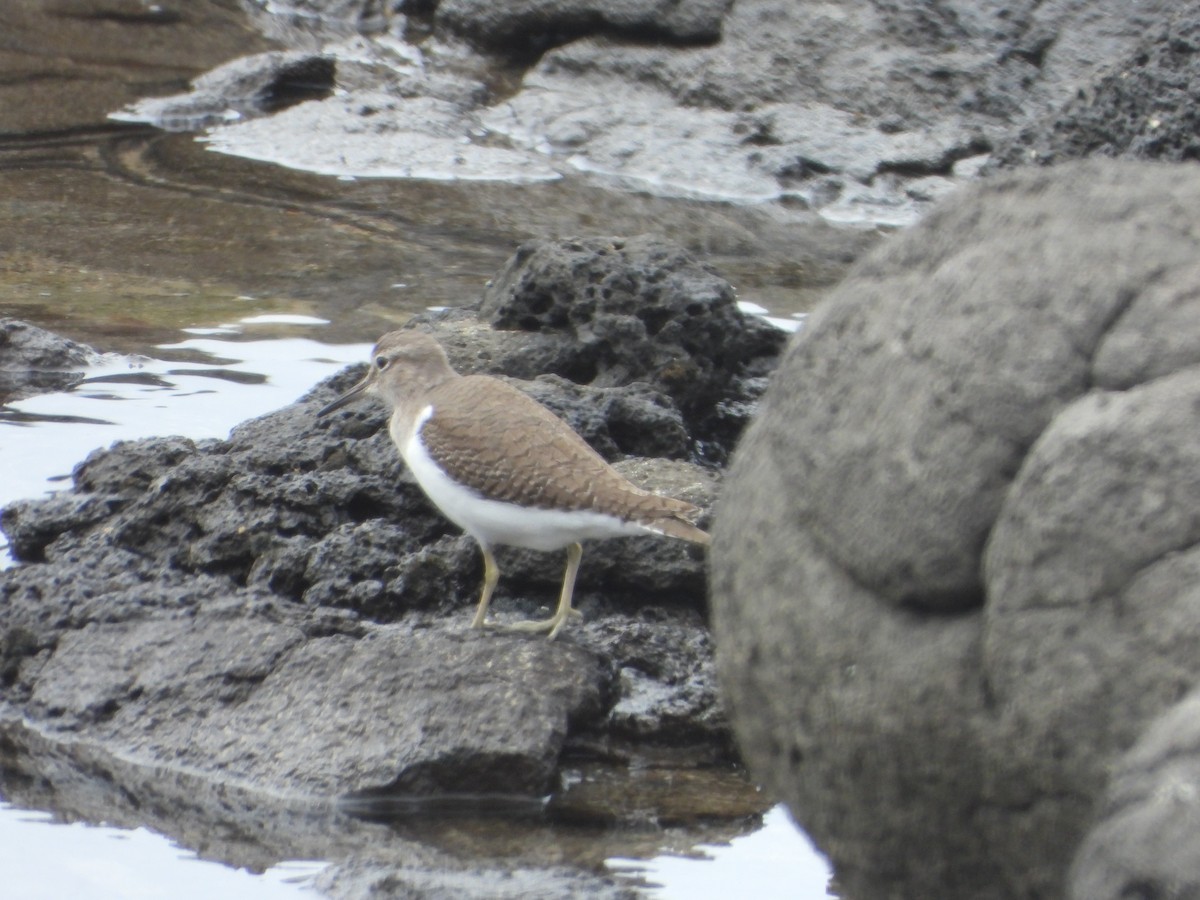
777 862
102 862
46 859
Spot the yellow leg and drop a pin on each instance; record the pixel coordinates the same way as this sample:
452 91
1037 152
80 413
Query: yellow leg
491 574
555 623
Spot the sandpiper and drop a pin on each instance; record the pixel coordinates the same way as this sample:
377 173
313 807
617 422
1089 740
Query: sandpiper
504 468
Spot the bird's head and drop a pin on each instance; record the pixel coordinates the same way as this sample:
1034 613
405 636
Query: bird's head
403 364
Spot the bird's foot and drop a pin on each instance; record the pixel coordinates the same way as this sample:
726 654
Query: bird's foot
552 626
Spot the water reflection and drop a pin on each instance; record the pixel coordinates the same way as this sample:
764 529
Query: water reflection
45 858
773 863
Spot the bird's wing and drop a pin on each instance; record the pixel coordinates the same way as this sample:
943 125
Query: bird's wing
534 458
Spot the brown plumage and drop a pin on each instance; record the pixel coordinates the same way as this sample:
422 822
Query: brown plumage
535 458
505 468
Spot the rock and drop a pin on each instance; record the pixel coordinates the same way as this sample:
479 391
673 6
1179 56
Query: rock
244 88
665 681
1119 461
234 682
320 499
332 15
1143 108
33 360
949 576
864 111
640 309
440 877
841 108
532 25
1145 842
632 420
375 851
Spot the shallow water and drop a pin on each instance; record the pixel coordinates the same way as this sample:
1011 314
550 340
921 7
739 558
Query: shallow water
45 858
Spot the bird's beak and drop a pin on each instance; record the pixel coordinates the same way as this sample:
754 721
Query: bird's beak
349 397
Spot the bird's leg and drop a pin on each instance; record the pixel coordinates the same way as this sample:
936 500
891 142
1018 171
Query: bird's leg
564 611
491 574
555 623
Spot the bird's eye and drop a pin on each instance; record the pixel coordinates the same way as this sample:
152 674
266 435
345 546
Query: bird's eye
381 362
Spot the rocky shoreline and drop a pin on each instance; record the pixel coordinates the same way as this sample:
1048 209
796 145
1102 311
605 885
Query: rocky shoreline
863 112
953 583
284 613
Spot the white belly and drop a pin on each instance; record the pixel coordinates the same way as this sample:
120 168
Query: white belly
496 522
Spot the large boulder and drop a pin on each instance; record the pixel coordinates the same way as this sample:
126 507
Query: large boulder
950 577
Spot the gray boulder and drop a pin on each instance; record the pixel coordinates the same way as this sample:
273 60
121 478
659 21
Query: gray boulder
947 583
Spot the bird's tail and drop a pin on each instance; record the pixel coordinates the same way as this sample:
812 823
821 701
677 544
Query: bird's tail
680 528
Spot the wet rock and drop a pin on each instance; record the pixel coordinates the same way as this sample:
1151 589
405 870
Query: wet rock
365 15
33 361
368 880
843 109
632 420
1143 108
665 685
950 574
416 847
533 25
143 610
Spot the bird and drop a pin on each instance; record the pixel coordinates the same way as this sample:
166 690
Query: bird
504 468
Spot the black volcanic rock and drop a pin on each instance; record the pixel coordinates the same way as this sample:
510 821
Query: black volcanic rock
641 309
